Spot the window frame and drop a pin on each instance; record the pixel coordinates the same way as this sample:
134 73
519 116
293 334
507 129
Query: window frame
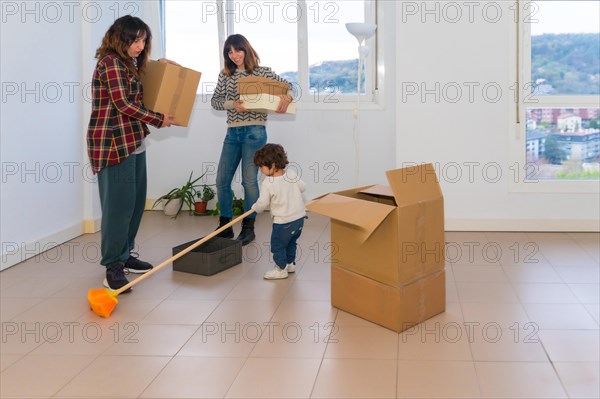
520 67
372 99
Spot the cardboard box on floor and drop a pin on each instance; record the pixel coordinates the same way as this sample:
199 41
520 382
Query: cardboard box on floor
261 94
396 308
170 89
388 248
393 235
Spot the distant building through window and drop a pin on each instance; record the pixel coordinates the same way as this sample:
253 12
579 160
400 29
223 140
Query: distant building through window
563 128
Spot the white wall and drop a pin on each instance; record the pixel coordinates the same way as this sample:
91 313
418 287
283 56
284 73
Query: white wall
40 130
469 140
48 190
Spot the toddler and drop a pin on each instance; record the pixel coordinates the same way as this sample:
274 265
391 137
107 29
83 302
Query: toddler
282 190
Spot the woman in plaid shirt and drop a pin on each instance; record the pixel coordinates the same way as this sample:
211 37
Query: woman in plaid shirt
115 142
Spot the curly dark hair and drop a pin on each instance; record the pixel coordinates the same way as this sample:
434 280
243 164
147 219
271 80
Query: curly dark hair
239 43
121 34
269 155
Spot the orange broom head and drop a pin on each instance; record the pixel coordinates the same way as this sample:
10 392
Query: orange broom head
102 301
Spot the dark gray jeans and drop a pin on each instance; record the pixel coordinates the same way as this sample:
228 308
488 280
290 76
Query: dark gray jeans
122 199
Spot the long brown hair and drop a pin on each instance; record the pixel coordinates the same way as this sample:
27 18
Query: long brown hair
239 43
122 33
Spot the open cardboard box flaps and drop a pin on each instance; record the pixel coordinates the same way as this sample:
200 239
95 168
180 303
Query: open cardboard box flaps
344 209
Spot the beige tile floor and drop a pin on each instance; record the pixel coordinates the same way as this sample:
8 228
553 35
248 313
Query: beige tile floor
522 321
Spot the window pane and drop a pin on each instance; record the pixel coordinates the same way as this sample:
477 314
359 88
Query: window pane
192 39
565 47
332 51
271 28
563 143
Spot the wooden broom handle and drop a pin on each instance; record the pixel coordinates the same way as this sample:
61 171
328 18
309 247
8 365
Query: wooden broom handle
180 254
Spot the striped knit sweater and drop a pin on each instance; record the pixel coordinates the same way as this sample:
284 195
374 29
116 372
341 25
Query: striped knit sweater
226 93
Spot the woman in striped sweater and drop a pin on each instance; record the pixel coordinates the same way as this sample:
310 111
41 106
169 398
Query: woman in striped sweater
246 131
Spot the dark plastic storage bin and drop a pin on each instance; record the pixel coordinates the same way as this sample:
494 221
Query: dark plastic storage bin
214 256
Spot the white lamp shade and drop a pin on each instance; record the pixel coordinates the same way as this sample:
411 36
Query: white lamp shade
361 30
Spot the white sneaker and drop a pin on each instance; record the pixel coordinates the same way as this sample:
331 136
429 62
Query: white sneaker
291 268
276 274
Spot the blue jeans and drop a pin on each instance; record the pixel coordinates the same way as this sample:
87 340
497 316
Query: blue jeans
283 241
240 144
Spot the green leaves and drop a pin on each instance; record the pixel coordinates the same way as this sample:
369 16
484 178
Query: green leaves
238 207
187 192
206 193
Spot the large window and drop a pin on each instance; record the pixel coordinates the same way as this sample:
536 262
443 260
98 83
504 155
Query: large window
560 82
304 41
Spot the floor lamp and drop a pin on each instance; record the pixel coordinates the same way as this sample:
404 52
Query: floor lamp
362 31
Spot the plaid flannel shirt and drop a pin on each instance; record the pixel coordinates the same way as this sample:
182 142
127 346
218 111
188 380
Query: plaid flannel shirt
118 121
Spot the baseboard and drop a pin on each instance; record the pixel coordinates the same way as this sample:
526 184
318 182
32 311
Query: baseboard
91 226
149 203
547 225
14 253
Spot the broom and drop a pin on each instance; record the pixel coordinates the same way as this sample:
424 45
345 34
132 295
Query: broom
103 301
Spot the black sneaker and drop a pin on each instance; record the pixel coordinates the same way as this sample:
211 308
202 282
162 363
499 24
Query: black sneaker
115 277
134 265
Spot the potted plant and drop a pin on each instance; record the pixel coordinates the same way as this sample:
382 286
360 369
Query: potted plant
205 194
175 199
238 207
